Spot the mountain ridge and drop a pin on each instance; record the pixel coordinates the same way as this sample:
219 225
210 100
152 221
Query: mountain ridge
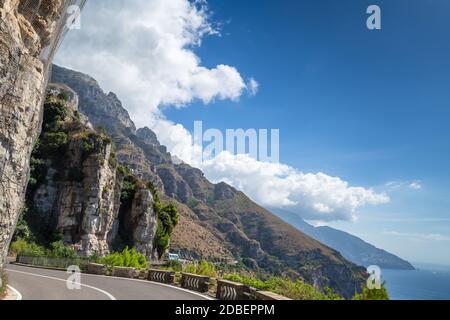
215 218
351 247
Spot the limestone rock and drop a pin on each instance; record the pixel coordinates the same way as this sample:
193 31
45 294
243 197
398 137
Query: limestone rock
26 28
144 221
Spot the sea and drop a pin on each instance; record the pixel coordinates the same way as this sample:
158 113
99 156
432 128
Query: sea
427 282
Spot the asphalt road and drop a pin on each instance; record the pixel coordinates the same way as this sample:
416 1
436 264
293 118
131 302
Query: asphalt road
43 284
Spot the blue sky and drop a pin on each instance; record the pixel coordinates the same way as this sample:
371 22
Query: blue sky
371 108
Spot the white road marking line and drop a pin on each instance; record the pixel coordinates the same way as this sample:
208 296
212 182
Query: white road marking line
143 281
110 296
18 295
152 282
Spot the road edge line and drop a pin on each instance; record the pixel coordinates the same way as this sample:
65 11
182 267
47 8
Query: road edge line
153 282
122 278
16 292
109 295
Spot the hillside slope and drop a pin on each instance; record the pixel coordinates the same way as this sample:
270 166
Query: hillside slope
217 220
351 247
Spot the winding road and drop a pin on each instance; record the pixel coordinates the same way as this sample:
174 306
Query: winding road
44 284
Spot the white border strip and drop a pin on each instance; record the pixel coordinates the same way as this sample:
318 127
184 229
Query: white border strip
110 296
16 292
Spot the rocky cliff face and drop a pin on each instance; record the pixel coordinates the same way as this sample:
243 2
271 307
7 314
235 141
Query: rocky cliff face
217 222
26 29
76 184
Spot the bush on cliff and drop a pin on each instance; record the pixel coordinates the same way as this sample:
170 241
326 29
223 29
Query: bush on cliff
373 294
127 258
57 249
25 248
204 268
297 290
167 221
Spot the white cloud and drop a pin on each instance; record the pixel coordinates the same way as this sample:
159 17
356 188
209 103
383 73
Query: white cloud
415 185
419 236
253 86
143 50
397 185
316 196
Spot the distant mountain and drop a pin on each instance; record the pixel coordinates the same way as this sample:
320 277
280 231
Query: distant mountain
351 247
216 220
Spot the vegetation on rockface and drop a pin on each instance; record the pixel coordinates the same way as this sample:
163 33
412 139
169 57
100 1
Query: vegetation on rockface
297 290
92 142
56 249
167 214
373 294
203 268
127 258
62 128
167 221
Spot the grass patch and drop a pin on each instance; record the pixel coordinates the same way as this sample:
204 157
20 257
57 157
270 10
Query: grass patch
296 290
127 258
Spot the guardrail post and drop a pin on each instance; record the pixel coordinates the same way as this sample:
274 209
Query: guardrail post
162 276
194 282
229 290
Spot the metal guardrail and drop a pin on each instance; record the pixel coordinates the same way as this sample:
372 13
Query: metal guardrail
228 290
163 276
225 290
50 262
195 282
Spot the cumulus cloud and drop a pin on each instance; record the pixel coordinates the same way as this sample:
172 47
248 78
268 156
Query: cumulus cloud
143 50
316 196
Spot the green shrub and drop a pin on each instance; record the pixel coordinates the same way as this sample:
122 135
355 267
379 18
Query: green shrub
190 268
25 248
167 221
204 268
174 265
59 250
249 281
63 96
127 258
297 290
55 111
372 294
128 190
22 229
54 141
